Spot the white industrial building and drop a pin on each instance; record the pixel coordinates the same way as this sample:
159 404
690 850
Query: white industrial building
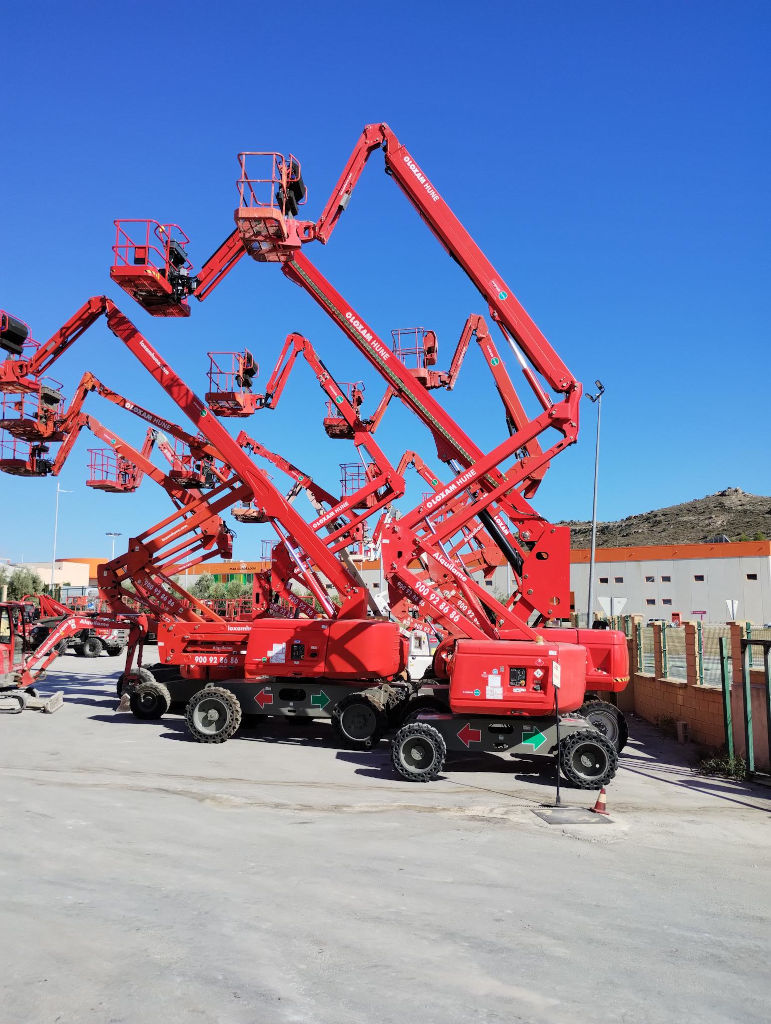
675 582
707 582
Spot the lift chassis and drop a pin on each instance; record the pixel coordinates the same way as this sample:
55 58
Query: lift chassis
585 757
214 712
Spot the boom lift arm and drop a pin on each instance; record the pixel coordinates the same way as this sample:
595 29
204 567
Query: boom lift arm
402 167
310 553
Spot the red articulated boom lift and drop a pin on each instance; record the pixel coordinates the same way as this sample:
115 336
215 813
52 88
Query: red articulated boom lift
302 667
491 488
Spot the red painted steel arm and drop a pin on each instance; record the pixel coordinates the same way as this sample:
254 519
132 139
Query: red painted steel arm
219 264
452 442
59 342
305 481
267 496
34 664
89 383
456 240
370 140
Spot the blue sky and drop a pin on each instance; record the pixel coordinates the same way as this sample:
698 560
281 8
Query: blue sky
611 159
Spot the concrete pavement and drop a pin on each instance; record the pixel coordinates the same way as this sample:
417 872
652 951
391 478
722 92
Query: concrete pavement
275 878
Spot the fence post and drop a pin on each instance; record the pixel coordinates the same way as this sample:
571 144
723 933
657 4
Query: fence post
748 634
638 636
658 669
767 681
664 658
725 679
737 632
700 653
691 653
749 739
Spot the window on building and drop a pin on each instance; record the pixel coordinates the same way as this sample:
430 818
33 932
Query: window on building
699 578
376 586
752 575
666 600
650 579
488 583
618 579
666 579
650 600
603 579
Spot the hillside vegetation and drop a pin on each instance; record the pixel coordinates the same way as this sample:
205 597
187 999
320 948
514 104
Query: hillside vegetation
730 514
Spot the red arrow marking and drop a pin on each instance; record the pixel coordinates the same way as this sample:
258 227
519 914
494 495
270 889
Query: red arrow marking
264 698
469 735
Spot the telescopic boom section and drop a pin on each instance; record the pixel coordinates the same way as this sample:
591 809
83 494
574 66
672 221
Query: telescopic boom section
18 370
426 199
454 445
288 522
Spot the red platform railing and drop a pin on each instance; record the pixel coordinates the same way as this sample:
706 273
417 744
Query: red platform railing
353 476
231 371
415 346
153 245
110 472
349 389
277 186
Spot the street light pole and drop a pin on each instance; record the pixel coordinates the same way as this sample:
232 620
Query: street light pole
112 534
598 399
59 490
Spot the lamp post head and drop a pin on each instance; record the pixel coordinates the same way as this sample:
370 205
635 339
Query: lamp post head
600 391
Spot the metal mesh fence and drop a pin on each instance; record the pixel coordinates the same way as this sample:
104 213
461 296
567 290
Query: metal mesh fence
710 656
755 653
673 648
646 661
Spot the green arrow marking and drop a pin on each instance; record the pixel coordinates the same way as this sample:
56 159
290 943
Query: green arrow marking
319 700
531 737
339 399
494 361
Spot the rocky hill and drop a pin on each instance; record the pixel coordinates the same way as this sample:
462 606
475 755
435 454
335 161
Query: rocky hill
730 514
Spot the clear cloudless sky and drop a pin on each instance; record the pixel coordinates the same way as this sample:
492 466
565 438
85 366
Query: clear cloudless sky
610 158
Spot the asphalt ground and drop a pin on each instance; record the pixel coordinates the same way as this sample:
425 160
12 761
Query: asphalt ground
275 878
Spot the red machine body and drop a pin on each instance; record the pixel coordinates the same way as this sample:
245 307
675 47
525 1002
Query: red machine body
341 649
495 677
607 655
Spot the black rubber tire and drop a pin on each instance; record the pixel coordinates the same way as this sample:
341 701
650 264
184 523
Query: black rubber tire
91 647
213 715
607 719
114 651
149 700
587 759
414 707
62 646
140 675
357 723
418 752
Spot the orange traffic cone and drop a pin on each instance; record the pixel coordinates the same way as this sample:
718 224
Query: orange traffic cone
599 807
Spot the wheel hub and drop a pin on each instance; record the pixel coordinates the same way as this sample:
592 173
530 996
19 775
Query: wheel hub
210 716
359 721
589 761
416 752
